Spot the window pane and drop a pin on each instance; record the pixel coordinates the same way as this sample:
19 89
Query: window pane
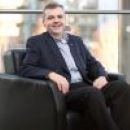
99 33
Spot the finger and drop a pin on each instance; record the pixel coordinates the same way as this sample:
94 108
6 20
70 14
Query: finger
67 86
64 88
59 86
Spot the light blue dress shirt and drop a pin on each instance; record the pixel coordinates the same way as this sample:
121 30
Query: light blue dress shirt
65 51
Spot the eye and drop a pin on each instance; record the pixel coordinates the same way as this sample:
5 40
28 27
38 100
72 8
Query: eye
50 17
60 16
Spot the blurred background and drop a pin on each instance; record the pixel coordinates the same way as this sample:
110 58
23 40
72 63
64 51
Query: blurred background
106 35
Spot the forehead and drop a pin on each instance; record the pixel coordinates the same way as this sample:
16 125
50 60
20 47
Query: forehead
54 12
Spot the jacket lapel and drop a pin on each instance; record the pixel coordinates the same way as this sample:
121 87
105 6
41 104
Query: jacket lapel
56 52
74 51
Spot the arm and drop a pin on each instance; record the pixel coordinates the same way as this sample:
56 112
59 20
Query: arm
30 66
96 71
93 67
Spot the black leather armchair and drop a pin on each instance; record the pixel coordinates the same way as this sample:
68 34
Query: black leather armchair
27 104
30 104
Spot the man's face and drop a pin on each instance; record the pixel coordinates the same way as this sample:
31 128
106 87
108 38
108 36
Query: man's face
54 20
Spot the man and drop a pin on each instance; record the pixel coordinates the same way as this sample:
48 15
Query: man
63 59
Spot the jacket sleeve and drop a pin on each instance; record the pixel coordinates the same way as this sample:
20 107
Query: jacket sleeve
30 67
93 67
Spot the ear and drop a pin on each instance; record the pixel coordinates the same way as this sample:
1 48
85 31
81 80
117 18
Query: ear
44 23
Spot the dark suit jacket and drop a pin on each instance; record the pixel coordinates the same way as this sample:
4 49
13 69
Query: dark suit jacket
44 56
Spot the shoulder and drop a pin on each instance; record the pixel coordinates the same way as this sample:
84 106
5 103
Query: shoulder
78 41
37 40
38 37
74 37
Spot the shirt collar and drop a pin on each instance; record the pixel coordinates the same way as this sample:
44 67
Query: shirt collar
63 40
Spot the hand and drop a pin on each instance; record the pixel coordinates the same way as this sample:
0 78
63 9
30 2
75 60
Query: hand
100 82
61 82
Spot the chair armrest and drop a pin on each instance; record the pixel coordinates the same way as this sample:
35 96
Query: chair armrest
30 104
114 76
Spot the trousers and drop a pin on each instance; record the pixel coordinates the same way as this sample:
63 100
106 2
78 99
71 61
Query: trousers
105 109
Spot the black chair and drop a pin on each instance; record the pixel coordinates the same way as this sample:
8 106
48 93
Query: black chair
30 104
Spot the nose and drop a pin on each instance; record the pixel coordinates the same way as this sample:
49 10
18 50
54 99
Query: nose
56 19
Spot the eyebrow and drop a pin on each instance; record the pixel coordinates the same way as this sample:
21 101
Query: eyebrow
60 15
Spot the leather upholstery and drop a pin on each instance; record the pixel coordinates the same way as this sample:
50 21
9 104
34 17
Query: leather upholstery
13 59
27 102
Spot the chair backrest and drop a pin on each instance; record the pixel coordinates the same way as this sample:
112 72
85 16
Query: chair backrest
13 59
